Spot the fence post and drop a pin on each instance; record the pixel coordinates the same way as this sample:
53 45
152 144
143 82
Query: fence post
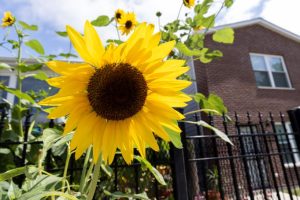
294 115
179 172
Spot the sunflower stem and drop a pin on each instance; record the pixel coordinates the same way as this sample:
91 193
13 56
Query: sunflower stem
66 168
96 175
179 11
19 80
84 170
118 31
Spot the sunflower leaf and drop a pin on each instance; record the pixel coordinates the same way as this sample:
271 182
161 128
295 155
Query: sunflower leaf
17 93
175 138
41 76
228 3
152 169
5 66
28 27
225 35
62 33
36 46
102 20
120 195
32 67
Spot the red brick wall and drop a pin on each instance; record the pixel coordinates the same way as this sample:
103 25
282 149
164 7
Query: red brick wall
232 77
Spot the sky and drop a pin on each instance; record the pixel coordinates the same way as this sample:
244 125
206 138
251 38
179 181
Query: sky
53 15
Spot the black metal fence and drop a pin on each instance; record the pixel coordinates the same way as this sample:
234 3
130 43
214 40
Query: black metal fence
125 178
263 163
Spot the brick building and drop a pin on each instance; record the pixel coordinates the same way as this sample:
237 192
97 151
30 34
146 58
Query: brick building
259 72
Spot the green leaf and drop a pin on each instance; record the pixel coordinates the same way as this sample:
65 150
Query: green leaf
120 195
5 66
219 133
114 41
175 138
28 27
41 76
41 194
228 3
152 169
17 93
67 55
36 46
225 35
13 173
62 33
186 51
32 67
102 20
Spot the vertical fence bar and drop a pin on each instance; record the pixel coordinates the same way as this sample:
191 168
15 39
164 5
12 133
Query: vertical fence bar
281 157
231 161
211 122
2 121
202 172
286 134
25 140
71 168
136 177
258 159
269 156
179 164
248 178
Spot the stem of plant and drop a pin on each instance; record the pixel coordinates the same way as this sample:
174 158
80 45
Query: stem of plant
66 168
179 11
85 165
19 81
118 31
96 175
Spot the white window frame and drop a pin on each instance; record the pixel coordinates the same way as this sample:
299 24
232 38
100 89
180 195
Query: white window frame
269 70
12 83
293 144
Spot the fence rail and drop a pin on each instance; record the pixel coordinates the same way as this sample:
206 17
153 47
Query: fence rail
263 163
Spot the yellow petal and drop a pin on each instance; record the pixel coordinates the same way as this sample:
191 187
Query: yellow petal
80 46
93 43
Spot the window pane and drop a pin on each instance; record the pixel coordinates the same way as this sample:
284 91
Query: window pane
276 64
262 79
280 79
4 80
258 63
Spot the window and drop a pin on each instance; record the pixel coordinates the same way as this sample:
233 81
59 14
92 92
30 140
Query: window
269 71
284 140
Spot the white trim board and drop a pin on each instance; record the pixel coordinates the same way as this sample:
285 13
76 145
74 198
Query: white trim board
262 22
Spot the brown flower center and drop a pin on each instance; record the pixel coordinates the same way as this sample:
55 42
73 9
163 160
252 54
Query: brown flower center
118 15
117 91
128 24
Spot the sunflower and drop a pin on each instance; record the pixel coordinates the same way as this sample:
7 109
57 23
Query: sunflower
189 3
8 19
127 23
119 97
119 14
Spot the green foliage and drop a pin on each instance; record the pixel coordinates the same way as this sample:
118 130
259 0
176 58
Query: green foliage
17 93
5 66
228 3
120 195
147 165
27 26
36 46
175 137
32 67
41 76
62 33
225 35
102 20
212 102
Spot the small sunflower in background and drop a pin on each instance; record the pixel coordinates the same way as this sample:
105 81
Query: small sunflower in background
120 97
119 14
189 3
127 23
8 19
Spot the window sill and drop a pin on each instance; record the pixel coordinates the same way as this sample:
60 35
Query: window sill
275 88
